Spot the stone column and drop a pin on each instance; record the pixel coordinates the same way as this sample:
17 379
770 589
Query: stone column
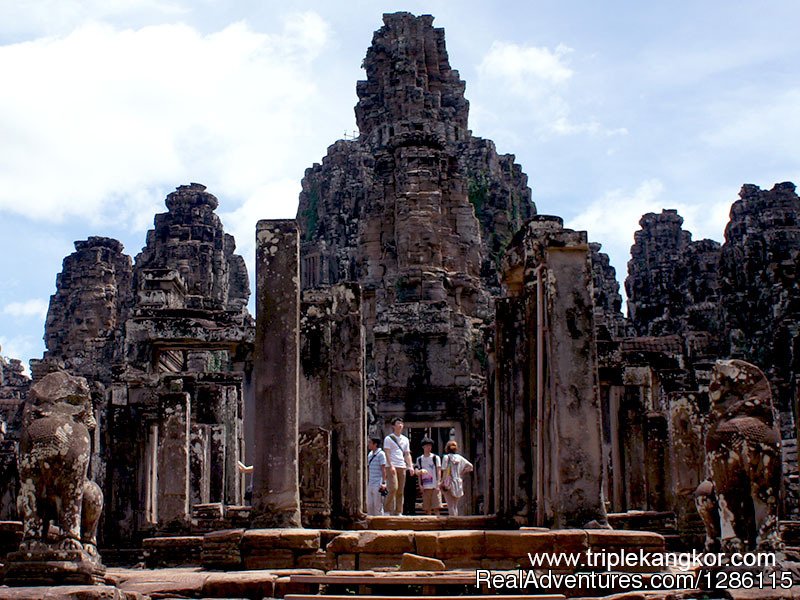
348 398
174 478
276 497
687 456
573 404
233 493
200 458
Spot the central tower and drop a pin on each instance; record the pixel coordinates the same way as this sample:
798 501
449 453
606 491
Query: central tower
417 211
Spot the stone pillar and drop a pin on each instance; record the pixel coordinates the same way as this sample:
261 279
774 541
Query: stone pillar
572 401
348 398
218 457
233 493
174 475
276 497
687 456
200 457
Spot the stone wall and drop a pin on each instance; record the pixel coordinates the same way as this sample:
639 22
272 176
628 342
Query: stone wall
14 386
165 343
332 405
760 295
690 303
546 415
672 282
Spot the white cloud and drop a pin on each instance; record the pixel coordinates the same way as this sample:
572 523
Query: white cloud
263 203
519 64
613 218
35 307
55 16
103 121
754 120
20 347
537 80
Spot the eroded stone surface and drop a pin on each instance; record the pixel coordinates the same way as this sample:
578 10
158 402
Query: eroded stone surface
276 491
53 465
743 461
418 212
552 432
164 344
14 386
672 281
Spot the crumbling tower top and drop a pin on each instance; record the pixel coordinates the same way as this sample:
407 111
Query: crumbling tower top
410 87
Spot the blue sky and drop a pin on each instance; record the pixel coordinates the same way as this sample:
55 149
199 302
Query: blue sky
612 108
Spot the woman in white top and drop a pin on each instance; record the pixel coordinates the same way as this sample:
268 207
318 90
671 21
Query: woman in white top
454 467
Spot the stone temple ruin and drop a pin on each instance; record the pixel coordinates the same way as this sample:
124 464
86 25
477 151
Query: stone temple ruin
419 281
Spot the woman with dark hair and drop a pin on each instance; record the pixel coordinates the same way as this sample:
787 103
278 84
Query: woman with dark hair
454 467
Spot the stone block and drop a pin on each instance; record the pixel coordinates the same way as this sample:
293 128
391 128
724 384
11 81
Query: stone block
269 559
222 549
246 584
570 540
463 562
414 562
306 540
368 561
346 543
385 542
511 544
426 543
471 544
261 538
320 559
346 562
172 583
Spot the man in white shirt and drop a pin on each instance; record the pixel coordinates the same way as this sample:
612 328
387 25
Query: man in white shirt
398 451
376 469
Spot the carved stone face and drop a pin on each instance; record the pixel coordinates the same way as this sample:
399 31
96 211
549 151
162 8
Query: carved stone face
93 314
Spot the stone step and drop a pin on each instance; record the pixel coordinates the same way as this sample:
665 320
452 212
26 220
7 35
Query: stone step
430 597
471 549
197 583
173 551
121 557
431 523
259 549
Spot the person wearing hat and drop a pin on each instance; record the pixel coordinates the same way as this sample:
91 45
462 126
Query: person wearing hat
429 473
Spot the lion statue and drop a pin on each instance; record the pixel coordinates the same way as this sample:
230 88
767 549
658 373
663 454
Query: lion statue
54 452
739 501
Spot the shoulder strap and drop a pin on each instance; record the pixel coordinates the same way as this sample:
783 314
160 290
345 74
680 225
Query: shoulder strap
374 454
396 443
